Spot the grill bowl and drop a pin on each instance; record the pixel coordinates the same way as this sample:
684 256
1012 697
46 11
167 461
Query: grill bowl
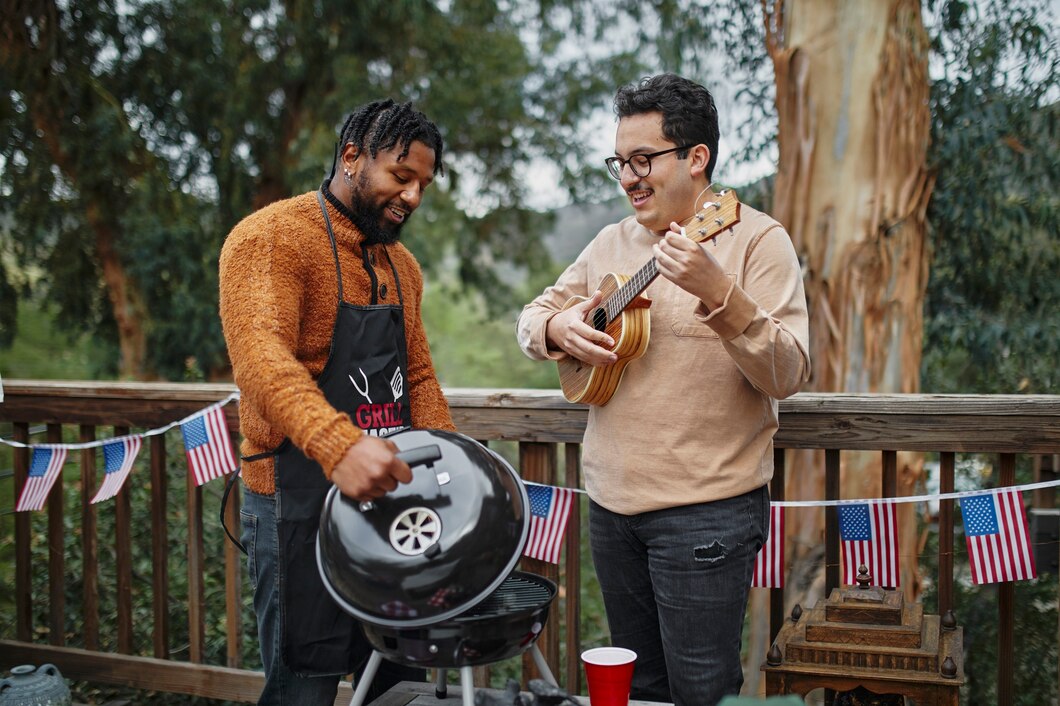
503 625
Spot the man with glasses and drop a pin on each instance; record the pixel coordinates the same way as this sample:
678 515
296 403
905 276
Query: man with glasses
677 461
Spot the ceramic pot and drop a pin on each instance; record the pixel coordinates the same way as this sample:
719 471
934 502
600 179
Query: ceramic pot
34 686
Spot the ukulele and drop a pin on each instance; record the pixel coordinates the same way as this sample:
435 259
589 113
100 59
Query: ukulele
623 313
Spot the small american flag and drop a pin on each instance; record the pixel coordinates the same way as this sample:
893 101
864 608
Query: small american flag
118 457
549 511
998 539
870 536
769 564
207 445
44 470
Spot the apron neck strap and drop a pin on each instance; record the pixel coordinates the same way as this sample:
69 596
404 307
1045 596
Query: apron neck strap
364 258
331 237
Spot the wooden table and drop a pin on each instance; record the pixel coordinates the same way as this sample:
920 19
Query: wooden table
415 693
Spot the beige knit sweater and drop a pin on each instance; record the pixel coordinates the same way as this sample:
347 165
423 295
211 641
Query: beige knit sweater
693 419
279 295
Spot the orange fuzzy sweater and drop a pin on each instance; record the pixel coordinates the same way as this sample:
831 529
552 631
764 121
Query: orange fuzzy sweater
279 295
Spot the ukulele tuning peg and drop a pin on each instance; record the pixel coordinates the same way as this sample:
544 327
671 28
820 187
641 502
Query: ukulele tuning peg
719 221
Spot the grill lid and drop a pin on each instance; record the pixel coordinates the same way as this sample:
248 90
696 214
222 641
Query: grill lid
433 548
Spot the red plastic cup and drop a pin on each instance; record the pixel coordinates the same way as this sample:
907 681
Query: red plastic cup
609 673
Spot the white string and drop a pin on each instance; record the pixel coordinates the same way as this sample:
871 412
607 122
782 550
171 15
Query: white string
150 432
903 499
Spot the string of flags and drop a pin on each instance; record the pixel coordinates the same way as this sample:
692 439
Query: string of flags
207 445
996 531
996 534
208 448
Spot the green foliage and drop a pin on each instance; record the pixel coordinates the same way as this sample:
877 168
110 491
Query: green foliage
140 132
41 352
992 314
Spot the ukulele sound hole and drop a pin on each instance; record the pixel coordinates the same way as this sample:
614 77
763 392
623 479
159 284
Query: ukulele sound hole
599 319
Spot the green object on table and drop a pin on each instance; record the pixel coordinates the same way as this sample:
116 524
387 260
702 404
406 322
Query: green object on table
770 701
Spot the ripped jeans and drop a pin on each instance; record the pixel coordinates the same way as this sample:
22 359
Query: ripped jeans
675 584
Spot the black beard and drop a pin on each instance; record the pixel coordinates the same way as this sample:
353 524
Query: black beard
369 219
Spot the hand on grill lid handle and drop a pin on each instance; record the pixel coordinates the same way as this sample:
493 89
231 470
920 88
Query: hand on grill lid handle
373 467
370 469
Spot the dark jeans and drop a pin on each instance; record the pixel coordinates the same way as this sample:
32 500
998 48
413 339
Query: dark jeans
284 687
675 584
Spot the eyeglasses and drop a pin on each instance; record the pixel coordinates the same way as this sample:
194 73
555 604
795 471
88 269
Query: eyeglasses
639 164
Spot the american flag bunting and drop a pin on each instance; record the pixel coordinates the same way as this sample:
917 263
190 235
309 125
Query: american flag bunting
549 511
207 445
118 458
997 536
869 533
769 564
44 469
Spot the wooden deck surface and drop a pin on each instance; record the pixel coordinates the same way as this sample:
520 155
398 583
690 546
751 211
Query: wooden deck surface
409 693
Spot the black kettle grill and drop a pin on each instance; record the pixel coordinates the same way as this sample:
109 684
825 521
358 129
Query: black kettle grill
428 568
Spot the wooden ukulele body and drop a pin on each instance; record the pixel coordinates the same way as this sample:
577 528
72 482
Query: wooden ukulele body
630 330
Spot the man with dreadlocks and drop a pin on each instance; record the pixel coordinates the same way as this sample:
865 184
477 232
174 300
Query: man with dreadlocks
320 305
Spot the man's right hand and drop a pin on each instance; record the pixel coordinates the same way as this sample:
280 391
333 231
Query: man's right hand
370 469
568 332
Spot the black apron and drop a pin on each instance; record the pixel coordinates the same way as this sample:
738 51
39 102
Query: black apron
365 376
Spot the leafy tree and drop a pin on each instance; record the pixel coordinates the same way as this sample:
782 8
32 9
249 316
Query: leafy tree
992 314
140 132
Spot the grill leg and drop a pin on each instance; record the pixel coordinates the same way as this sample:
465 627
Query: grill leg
440 688
542 665
363 684
467 686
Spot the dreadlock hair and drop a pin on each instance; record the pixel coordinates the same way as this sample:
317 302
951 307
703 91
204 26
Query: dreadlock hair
688 112
383 124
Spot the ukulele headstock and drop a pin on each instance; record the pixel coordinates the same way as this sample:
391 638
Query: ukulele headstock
713 216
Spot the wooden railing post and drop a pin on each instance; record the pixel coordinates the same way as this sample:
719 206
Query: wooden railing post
23 538
1006 609
537 464
573 583
831 521
196 590
123 559
56 554
776 595
159 548
947 465
89 542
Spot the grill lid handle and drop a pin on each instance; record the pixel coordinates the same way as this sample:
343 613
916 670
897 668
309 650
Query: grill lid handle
420 456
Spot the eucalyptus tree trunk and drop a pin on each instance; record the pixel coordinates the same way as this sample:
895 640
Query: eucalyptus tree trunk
852 189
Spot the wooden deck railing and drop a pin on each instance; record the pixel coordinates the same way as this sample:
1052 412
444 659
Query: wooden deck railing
545 429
